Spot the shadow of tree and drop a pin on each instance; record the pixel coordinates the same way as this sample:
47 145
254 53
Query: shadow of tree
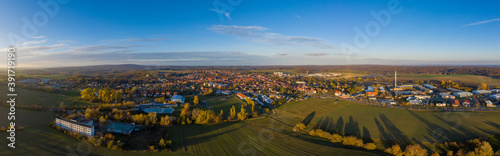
339 126
352 127
308 118
366 135
327 124
391 135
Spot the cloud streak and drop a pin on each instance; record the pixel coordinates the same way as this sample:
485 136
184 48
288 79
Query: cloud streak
259 34
316 54
481 22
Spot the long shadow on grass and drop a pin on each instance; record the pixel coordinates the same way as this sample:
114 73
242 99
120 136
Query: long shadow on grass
327 124
442 133
198 134
459 130
325 142
391 135
308 118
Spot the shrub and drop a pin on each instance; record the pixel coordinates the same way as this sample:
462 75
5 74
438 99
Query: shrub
415 150
370 146
336 138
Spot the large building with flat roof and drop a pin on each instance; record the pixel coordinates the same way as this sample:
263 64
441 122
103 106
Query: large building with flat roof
122 128
462 94
80 125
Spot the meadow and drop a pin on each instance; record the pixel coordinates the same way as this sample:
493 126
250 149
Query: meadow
28 97
386 125
273 135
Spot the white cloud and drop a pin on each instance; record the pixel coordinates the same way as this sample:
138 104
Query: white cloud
260 35
316 54
32 42
481 22
39 37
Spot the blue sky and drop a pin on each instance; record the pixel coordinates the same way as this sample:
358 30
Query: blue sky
257 32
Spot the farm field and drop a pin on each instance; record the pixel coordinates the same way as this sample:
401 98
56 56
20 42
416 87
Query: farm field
29 97
27 118
468 79
218 103
387 126
263 136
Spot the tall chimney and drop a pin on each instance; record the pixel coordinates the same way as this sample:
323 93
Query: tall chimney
395 79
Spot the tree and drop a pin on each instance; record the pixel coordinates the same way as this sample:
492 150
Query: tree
242 115
370 146
482 86
299 127
152 147
162 143
232 112
415 150
196 100
102 119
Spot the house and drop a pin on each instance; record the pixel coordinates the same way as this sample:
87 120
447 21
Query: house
338 93
241 95
440 103
455 103
489 103
414 101
495 96
84 127
370 89
466 103
462 94
122 128
177 98
371 94
481 92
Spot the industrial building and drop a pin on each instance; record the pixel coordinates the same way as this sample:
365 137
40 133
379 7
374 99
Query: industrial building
446 96
481 92
462 94
122 128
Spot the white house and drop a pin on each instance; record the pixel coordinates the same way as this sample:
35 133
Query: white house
80 125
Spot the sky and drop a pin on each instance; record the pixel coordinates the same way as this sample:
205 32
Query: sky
58 33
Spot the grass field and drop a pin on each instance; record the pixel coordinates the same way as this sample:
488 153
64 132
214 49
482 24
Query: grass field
26 118
263 136
218 103
467 79
29 97
392 125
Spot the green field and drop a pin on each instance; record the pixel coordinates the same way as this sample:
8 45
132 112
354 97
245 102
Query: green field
263 136
218 103
387 125
29 97
26 118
